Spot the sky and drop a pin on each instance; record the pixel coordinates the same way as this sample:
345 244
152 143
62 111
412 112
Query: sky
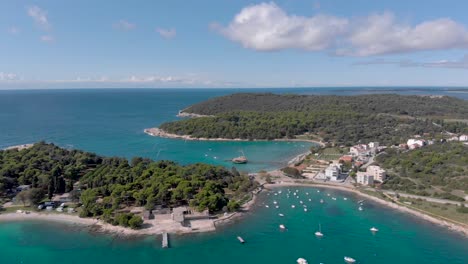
232 43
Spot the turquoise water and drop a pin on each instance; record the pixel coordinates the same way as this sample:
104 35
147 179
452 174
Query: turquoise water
111 122
401 238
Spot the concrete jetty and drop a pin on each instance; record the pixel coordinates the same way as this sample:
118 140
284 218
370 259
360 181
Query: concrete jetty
165 240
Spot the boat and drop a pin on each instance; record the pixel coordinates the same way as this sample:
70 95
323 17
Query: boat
360 201
301 261
345 198
293 206
277 207
305 209
241 159
321 200
282 227
373 229
349 260
267 206
319 233
360 208
281 215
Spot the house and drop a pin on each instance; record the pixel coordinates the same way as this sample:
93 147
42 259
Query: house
463 138
415 143
377 173
364 178
358 150
333 172
178 214
346 158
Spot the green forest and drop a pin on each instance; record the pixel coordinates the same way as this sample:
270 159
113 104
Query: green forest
105 186
389 119
436 170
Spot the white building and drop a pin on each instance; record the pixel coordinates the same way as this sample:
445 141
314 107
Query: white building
357 150
415 143
374 145
364 179
463 138
333 172
377 173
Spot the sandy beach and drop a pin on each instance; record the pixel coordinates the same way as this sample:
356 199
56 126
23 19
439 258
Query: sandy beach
157 132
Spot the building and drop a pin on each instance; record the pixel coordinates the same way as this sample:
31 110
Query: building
463 138
346 158
373 145
358 150
333 172
415 143
377 173
364 179
178 214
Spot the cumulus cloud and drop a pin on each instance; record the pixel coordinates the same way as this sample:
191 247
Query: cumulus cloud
5 76
382 34
124 25
267 27
39 16
452 64
166 33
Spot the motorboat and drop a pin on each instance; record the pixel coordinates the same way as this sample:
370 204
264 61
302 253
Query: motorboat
349 260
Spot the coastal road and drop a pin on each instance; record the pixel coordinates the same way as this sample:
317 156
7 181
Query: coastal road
429 199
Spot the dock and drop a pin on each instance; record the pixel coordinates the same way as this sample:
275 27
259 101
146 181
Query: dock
165 240
240 239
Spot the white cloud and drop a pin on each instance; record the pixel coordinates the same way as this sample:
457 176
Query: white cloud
5 76
39 16
13 30
382 34
166 33
452 64
124 25
47 38
266 27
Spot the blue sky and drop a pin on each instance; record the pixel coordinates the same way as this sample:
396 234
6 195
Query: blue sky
232 43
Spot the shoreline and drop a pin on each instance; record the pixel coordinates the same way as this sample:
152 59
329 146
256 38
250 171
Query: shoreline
98 226
449 225
157 132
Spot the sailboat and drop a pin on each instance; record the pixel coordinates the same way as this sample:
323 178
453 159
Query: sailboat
349 260
319 233
241 159
373 229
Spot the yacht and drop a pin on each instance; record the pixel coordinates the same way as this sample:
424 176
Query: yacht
319 233
349 260
373 229
301 261
281 215
282 227
241 159
360 208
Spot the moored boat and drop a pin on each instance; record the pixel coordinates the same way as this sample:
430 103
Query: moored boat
349 260
301 261
241 159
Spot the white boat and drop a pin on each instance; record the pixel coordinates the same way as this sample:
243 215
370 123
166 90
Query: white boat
318 191
349 260
373 229
321 200
328 194
277 207
345 198
305 209
282 227
293 206
275 202
307 193
333 198
310 200
301 261
360 208
267 206
281 215
300 202
319 233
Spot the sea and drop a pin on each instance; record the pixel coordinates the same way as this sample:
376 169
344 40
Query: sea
111 121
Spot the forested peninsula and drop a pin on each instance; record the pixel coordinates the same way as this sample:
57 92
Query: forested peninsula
387 118
104 187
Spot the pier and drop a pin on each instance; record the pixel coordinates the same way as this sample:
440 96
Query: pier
165 240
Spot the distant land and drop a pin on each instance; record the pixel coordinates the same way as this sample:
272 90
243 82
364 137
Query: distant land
344 120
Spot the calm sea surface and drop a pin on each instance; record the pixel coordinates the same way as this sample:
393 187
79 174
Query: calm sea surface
111 122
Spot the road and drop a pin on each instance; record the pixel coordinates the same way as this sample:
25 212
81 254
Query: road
429 199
